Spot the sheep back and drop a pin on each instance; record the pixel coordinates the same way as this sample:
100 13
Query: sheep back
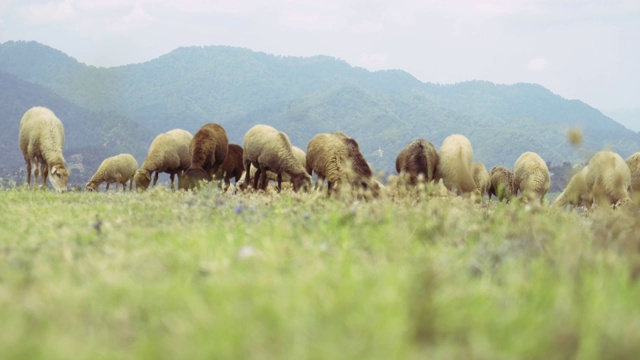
608 178
501 183
41 139
169 153
454 164
531 177
119 169
418 158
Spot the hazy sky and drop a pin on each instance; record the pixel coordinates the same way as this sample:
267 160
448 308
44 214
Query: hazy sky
579 49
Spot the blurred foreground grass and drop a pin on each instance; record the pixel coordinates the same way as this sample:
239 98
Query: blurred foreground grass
210 275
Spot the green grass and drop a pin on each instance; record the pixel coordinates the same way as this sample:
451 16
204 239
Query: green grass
211 275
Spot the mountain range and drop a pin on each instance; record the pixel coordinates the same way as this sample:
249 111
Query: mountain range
107 111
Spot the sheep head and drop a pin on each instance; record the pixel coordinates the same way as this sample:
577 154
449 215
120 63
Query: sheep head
92 186
301 182
59 175
142 178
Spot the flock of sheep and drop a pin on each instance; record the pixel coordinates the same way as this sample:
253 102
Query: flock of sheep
267 154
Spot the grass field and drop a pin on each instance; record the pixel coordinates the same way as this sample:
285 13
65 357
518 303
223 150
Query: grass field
299 276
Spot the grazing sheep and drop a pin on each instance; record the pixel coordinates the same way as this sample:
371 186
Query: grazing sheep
118 169
633 162
41 140
576 193
531 177
454 164
270 150
271 176
232 167
480 178
169 152
337 158
207 149
418 158
501 183
608 178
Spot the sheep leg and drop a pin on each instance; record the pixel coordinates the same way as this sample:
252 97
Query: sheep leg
263 180
329 186
258 174
107 189
45 173
280 182
247 171
171 177
319 182
29 172
131 184
155 179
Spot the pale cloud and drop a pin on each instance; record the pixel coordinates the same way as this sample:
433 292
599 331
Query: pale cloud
49 12
309 21
212 7
322 16
538 64
402 17
373 61
366 28
136 19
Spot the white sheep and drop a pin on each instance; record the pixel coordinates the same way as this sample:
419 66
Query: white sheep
270 150
633 162
337 158
531 177
480 178
116 169
41 140
169 152
271 176
608 178
454 164
576 193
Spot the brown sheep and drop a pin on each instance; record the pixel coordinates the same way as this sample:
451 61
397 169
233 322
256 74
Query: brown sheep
608 178
41 140
337 158
501 183
169 152
531 177
576 193
270 150
454 164
232 167
480 178
207 149
418 158
633 162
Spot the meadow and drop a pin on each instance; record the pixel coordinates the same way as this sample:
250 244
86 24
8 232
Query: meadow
181 275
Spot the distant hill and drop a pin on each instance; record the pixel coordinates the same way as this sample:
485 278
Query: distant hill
383 110
629 117
90 136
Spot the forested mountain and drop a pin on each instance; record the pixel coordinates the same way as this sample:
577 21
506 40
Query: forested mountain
303 96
